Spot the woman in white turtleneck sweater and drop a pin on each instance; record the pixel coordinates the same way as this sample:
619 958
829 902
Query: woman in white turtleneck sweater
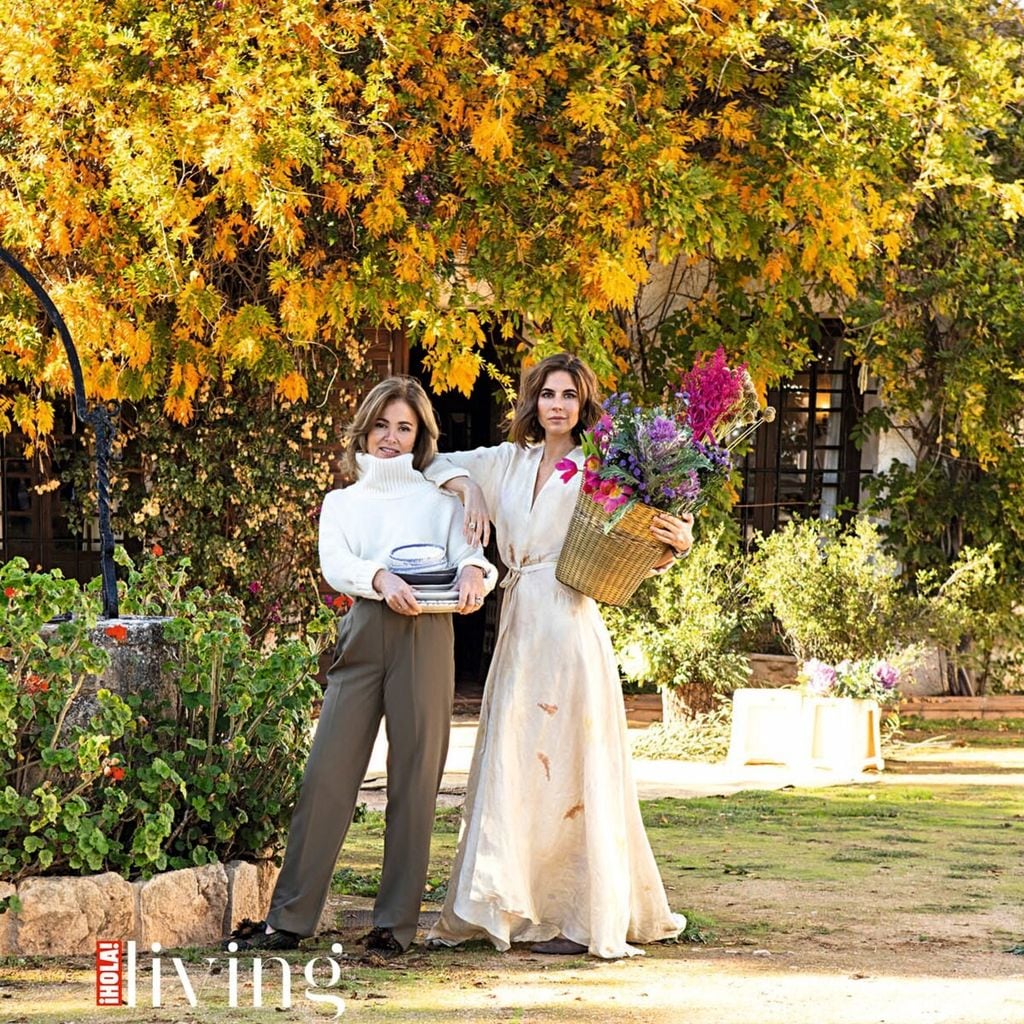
390 661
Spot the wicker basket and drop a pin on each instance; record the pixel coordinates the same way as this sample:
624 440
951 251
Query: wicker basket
608 566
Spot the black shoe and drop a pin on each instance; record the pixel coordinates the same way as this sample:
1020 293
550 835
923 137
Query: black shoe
383 942
254 935
560 946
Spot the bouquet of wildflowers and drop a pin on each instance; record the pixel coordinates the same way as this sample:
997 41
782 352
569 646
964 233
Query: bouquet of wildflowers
673 457
864 679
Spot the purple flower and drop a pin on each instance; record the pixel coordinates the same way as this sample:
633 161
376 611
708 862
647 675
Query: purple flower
888 675
421 197
661 430
820 676
255 588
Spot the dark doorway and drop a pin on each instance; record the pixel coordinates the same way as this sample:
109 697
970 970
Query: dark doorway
469 423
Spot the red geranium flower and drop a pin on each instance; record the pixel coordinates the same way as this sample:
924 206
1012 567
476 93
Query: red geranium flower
157 551
36 684
118 633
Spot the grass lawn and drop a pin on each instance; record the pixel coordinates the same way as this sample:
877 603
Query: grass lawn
852 894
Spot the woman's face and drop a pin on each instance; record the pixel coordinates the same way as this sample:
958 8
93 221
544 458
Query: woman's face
558 404
393 432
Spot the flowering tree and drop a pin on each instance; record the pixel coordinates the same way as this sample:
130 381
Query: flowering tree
225 192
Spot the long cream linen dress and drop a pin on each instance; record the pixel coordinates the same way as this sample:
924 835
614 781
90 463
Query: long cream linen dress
551 839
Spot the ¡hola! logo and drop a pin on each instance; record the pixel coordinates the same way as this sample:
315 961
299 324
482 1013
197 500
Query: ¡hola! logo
118 972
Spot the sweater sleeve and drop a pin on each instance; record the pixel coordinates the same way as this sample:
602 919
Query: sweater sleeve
343 570
485 466
462 554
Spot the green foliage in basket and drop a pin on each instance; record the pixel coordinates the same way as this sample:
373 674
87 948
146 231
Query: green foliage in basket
683 629
135 788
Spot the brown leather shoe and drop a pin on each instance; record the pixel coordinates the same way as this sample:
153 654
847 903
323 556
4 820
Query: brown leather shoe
558 946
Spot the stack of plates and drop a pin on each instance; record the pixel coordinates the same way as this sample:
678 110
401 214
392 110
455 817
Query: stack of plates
425 568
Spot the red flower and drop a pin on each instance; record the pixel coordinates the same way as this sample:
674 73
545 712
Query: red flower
114 771
157 551
10 592
342 603
118 633
567 468
35 684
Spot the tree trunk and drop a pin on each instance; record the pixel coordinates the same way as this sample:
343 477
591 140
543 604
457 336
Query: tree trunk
674 709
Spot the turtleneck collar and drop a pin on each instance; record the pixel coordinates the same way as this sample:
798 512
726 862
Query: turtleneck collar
392 476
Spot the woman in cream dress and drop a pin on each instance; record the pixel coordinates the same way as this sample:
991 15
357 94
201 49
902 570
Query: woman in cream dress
552 848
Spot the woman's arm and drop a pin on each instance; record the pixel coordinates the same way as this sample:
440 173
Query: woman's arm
674 531
486 467
344 571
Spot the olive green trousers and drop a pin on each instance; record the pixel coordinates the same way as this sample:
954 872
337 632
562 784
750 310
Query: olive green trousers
402 668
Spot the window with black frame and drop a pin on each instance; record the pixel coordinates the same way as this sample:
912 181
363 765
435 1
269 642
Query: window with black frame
805 463
35 499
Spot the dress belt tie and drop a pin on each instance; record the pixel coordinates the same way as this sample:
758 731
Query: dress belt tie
511 578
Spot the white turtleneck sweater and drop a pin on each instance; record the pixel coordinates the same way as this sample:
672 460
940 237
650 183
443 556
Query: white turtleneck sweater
389 505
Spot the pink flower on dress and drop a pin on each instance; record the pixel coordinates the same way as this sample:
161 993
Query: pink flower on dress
567 468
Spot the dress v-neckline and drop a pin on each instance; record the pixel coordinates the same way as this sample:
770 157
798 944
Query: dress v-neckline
536 492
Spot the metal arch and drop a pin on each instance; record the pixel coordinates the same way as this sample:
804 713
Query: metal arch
102 420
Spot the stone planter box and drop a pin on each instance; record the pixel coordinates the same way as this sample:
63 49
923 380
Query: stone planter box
64 916
838 734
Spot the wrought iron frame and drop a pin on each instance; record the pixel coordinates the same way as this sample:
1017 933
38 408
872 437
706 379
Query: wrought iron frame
103 420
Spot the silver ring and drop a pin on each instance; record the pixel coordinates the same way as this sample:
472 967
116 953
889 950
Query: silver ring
472 526
478 600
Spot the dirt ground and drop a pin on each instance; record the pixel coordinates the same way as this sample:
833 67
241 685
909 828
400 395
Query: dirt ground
886 903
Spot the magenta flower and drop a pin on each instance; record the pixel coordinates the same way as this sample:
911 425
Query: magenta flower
713 391
255 588
888 675
567 468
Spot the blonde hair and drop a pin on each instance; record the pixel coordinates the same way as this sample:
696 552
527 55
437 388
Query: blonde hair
526 427
405 389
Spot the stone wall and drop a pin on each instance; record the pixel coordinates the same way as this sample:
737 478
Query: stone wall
64 916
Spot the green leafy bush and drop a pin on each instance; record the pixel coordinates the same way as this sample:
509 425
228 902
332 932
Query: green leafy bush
138 788
683 629
835 591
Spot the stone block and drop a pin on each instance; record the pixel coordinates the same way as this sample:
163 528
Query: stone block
139 660
244 897
64 916
184 908
7 922
266 878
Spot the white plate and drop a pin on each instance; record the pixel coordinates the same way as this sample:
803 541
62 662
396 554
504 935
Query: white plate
427 607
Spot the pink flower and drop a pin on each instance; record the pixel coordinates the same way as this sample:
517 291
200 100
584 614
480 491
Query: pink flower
567 468
712 391
255 588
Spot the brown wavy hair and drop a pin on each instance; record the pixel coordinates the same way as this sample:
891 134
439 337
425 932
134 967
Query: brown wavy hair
406 389
526 428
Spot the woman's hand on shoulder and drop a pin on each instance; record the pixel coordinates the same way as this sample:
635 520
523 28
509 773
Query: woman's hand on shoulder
476 526
471 589
397 594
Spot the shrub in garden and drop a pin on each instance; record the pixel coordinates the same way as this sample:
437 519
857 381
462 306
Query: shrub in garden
682 631
139 789
835 591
